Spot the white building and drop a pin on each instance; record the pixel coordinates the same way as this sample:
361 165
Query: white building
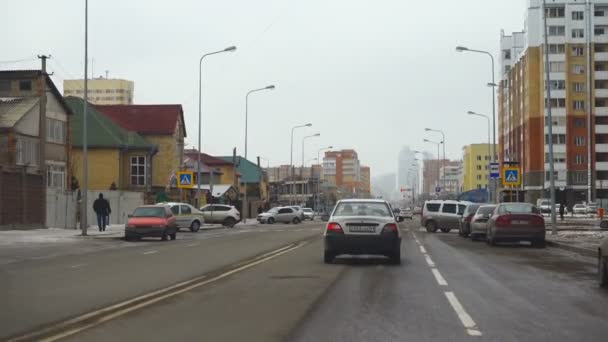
451 175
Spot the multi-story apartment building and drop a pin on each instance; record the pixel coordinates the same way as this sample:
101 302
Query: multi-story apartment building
475 163
431 174
342 169
366 179
102 91
449 176
578 72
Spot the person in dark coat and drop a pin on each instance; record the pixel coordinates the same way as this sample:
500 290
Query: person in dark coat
561 211
101 206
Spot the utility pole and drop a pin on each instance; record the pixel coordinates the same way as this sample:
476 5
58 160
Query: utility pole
589 106
550 118
42 132
85 165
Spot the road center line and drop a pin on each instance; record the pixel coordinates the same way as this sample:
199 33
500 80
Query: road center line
440 279
429 261
422 249
77 266
149 252
464 317
193 245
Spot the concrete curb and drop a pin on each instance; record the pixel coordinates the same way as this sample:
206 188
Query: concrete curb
587 252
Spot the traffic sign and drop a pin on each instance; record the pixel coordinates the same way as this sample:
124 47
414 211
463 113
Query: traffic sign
494 171
185 179
511 176
438 189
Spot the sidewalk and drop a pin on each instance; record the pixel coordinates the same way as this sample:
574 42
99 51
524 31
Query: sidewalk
581 242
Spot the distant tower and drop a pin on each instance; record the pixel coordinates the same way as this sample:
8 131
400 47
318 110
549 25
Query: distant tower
407 176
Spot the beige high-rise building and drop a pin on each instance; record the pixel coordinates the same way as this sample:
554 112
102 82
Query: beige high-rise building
102 91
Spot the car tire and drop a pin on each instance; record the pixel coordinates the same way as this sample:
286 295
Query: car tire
490 240
445 230
328 257
195 226
270 221
164 237
431 227
473 237
128 238
395 258
296 220
602 270
173 236
229 222
539 243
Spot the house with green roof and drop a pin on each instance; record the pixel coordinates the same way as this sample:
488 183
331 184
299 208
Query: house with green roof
113 152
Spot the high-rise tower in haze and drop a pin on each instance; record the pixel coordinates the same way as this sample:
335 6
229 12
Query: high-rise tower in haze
407 173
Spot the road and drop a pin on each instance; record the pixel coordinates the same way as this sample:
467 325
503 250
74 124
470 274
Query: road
268 283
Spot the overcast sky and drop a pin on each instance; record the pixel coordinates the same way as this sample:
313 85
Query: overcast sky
368 74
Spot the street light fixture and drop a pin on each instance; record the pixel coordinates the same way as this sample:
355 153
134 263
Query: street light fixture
436 143
245 202
303 140
291 158
200 91
489 151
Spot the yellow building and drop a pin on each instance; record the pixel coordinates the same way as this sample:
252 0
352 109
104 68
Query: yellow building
102 91
475 164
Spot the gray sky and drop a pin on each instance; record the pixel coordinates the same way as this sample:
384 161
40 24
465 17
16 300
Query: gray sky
369 74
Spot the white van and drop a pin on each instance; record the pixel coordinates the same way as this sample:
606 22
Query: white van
444 215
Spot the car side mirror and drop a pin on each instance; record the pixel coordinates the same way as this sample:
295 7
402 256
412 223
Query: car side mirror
325 217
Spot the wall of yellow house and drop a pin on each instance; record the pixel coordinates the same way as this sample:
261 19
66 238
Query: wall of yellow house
103 168
166 161
475 166
227 176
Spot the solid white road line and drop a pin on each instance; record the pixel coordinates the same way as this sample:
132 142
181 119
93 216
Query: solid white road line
429 261
422 249
77 266
193 245
440 280
465 319
149 252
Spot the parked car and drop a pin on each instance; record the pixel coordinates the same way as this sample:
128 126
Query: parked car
444 215
579 209
309 214
545 206
602 263
592 208
464 224
479 222
151 221
406 213
299 210
186 216
514 222
226 215
358 226
280 214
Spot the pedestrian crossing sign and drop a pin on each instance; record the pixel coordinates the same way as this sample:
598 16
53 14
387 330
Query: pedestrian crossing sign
511 176
185 179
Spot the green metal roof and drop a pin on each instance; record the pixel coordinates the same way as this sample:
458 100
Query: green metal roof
250 172
101 131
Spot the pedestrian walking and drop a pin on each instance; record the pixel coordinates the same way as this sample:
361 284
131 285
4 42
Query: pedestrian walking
561 211
101 206
260 210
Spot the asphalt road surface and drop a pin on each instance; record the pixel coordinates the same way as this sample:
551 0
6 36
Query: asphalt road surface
269 283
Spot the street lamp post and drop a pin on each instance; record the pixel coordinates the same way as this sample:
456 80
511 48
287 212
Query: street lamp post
200 91
443 141
465 49
245 202
436 143
303 140
291 160
489 150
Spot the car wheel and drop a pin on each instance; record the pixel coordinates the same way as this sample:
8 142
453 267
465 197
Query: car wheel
164 237
473 237
195 226
328 257
229 222
395 258
270 221
445 230
296 220
431 227
173 236
128 238
602 272
540 243
490 240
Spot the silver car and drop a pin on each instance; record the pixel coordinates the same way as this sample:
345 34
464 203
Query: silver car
358 226
479 221
186 216
309 214
280 214
226 215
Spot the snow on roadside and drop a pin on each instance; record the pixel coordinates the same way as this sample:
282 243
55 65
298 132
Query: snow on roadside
51 235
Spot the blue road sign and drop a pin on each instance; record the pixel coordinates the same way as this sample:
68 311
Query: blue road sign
184 179
511 176
494 171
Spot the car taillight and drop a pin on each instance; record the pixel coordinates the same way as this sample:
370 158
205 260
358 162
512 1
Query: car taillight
539 220
468 219
503 221
334 227
390 228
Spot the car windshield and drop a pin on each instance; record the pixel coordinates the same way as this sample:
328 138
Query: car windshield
362 209
307 210
517 208
149 212
273 210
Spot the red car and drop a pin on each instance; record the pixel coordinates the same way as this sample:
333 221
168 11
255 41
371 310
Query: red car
151 221
514 222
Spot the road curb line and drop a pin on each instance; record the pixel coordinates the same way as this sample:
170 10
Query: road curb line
579 250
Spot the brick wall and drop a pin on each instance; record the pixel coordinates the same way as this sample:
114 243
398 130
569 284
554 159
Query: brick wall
21 200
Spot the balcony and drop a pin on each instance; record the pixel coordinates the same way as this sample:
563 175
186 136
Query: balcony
601 93
601 184
557 57
557 166
601 56
558 184
601 111
601 129
557 75
556 130
556 112
557 148
557 93
601 148
559 39
603 38
601 75
601 166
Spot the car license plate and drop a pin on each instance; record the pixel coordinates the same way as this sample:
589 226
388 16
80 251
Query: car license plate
362 229
520 222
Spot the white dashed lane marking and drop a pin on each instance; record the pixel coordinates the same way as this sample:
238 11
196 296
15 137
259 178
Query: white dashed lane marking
464 317
77 266
422 249
429 261
149 252
440 279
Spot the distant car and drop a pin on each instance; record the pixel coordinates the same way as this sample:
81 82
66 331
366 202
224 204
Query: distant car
514 222
479 222
545 206
299 210
151 221
280 214
464 226
417 210
406 213
602 263
226 215
309 214
444 215
579 209
592 208
186 216
358 226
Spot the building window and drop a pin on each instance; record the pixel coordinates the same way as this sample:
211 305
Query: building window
108 91
25 85
557 84
506 54
578 15
548 175
478 186
555 30
27 151
578 105
485 167
479 167
578 33
578 51
555 12
580 177
55 131
55 176
478 157
579 123
601 102
557 103
599 30
579 140
138 170
556 49
478 177
557 66
599 13
579 87
557 138
578 69
580 159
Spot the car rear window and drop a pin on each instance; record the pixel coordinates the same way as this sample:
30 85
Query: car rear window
461 209
362 209
485 210
471 209
434 207
149 212
517 208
